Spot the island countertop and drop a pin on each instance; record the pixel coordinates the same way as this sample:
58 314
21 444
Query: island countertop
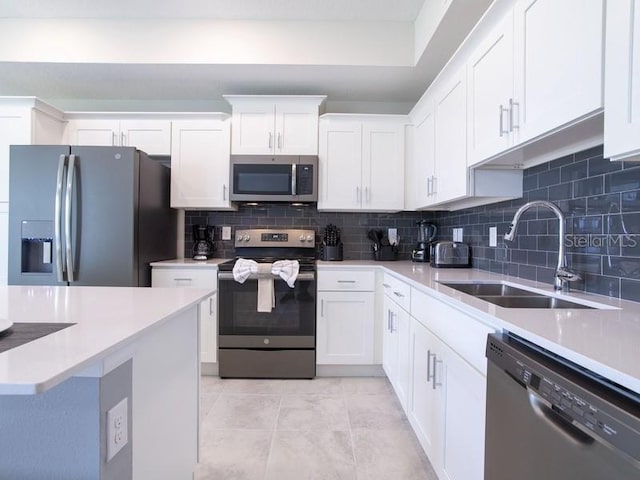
105 320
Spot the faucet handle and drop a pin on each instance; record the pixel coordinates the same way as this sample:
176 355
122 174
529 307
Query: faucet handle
567 275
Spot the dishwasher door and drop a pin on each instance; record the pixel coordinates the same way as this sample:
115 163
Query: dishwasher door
546 419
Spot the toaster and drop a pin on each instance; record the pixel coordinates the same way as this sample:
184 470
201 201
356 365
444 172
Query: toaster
450 255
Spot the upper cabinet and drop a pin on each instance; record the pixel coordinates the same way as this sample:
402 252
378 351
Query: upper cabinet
361 162
152 136
558 63
537 71
279 125
622 81
200 151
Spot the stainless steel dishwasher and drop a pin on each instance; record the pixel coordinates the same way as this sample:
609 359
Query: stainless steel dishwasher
549 418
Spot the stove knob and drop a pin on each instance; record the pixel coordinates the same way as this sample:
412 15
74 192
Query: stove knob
247 238
309 238
302 238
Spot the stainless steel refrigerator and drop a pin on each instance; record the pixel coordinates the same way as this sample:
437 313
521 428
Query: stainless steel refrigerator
87 216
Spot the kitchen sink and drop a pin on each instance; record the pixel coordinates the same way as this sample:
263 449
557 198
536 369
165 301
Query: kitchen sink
508 296
493 289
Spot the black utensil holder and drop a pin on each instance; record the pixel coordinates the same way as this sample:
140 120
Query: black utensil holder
331 253
386 253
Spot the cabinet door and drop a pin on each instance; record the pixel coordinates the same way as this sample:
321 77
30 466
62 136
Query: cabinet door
94 132
209 329
253 128
296 127
464 415
15 129
622 80
200 164
382 166
451 140
4 242
425 405
401 322
150 136
490 86
345 328
558 63
340 165
389 341
421 169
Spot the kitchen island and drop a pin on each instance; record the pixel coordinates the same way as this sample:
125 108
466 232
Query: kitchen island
136 347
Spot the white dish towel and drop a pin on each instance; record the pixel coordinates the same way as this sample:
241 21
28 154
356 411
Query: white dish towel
285 269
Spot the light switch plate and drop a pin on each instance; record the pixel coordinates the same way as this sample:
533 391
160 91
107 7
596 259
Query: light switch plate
117 428
226 233
493 236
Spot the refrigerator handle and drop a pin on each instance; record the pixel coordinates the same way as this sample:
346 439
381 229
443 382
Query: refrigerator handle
57 218
67 217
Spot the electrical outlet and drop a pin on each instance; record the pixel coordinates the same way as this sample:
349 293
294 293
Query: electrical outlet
117 428
493 236
460 233
226 233
392 235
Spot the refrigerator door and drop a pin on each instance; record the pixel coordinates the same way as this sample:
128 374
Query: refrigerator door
104 207
35 209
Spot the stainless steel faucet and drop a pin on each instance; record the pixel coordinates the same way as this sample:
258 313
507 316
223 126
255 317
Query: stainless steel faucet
563 274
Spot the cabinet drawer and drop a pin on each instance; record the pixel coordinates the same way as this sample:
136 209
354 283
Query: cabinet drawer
337 280
184 277
463 334
397 290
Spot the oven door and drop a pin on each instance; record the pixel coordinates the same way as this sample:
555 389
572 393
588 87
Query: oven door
291 323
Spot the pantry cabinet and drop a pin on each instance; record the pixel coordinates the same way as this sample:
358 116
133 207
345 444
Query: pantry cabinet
345 317
282 125
152 136
200 153
196 277
361 162
622 81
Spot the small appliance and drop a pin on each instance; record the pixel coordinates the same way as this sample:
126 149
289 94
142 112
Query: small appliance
203 245
331 246
426 235
274 178
450 255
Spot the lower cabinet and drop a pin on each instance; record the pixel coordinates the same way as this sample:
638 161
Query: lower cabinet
197 277
395 348
345 319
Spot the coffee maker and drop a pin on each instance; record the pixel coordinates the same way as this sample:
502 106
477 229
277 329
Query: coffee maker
426 235
203 245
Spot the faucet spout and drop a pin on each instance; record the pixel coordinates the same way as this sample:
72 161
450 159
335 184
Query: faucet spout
563 274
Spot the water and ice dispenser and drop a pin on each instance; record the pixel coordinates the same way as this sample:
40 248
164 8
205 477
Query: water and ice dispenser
37 246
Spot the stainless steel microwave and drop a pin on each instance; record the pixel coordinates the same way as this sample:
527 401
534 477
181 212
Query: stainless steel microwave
274 178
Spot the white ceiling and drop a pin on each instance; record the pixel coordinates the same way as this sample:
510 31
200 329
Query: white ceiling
103 85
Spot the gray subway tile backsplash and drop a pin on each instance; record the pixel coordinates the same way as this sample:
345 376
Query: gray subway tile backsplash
601 200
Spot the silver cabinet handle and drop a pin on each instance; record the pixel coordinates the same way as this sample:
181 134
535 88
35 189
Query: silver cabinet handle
366 194
224 191
57 217
346 281
113 139
182 280
386 285
210 305
398 294
502 129
279 141
512 125
67 217
435 366
388 320
293 177
393 328
123 139
322 308
435 184
270 140
430 376
429 186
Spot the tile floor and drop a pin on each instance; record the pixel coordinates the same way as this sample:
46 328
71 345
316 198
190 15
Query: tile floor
321 429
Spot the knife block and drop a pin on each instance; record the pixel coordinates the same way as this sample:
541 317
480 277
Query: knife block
331 253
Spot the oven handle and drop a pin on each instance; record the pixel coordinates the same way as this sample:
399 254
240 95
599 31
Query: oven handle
301 276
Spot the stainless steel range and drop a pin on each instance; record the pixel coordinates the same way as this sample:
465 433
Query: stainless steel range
275 344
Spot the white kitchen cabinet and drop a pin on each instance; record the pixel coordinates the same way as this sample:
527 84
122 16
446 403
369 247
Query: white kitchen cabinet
490 94
345 318
280 125
152 136
622 81
451 176
200 164
420 167
196 277
361 162
558 60
395 348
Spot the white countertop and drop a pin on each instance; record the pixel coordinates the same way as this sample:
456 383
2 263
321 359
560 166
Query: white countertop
106 319
189 262
604 341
